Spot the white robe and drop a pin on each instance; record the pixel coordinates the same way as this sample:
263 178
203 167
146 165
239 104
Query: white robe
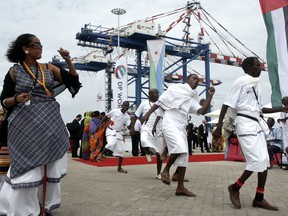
253 144
178 101
115 142
156 142
250 133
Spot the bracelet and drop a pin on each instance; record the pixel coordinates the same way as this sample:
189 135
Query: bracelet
15 98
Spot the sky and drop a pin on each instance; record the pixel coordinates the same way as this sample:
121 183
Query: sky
56 23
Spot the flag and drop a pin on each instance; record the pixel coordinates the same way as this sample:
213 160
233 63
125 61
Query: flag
100 91
156 51
275 14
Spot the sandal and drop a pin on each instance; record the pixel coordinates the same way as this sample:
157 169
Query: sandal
185 192
99 158
122 171
165 178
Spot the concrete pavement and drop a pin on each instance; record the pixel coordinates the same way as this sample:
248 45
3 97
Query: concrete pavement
102 191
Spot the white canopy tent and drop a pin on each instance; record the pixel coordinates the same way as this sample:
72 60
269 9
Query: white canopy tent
215 113
213 121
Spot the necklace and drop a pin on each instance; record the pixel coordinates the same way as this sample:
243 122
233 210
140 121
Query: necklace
36 79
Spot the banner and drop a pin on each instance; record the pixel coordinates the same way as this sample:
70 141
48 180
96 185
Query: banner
100 91
275 14
119 83
156 52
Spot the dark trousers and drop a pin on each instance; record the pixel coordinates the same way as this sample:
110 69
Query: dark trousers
195 142
272 149
75 146
189 140
204 141
135 144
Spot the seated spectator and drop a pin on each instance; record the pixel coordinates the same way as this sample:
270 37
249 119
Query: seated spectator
229 128
286 152
274 139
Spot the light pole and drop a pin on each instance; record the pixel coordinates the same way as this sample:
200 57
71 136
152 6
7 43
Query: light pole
118 12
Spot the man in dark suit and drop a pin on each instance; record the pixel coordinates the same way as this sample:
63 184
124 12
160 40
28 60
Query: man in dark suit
75 134
203 134
189 129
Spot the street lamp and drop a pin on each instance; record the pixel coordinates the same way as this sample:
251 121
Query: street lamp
118 12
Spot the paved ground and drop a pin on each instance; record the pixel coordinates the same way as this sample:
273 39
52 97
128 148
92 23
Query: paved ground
102 191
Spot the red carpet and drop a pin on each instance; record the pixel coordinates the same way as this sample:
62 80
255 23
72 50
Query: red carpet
113 161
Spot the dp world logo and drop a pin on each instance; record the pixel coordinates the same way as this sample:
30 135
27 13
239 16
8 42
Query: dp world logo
120 71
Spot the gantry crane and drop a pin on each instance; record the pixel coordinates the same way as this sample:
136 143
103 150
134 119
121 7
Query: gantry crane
184 50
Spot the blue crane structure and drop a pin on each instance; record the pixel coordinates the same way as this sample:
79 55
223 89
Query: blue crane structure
188 53
137 42
185 49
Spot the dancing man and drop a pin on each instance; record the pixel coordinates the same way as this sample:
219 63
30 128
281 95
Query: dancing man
178 101
245 99
115 143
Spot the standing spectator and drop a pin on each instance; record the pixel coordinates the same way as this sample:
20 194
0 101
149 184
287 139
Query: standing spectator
75 135
108 153
274 139
94 123
195 137
102 115
203 135
229 127
37 137
95 140
136 142
85 145
82 129
245 98
178 101
115 143
189 130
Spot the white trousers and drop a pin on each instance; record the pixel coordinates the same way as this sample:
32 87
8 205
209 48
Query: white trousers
26 201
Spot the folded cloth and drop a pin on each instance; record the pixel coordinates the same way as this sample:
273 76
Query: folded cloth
176 97
245 80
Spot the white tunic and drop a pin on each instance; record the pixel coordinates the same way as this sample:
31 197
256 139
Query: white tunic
147 139
114 137
249 132
118 119
142 110
175 119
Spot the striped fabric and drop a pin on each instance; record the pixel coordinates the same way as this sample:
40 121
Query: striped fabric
275 15
4 160
37 134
